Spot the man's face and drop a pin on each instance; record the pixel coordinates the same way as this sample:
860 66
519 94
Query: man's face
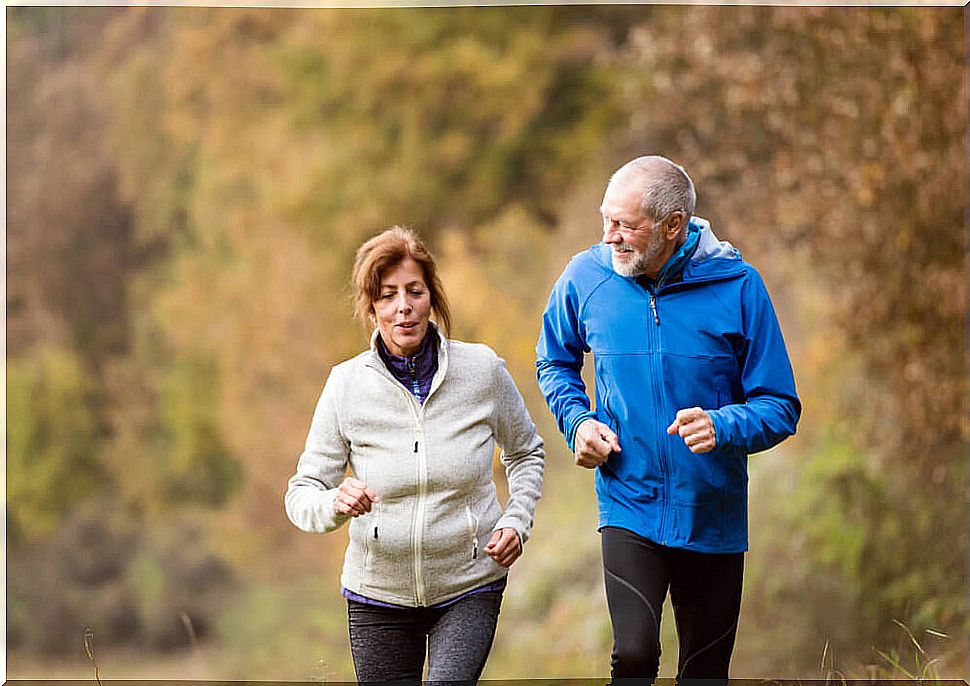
637 243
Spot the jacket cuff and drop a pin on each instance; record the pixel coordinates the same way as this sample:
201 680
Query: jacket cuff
506 522
311 510
571 429
720 428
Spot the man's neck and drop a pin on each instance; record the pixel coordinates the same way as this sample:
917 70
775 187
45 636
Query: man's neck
669 251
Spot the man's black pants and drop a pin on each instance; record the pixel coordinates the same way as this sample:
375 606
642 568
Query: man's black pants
705 591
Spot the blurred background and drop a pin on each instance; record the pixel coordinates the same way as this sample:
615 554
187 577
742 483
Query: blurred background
186 188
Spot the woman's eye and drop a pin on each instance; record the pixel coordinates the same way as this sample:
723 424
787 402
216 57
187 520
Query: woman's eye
417 293
387 296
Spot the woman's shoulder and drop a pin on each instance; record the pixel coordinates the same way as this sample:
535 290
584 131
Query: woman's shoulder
471 351
476 359
351 366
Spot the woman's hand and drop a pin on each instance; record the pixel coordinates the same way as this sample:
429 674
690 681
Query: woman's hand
504 547
354 498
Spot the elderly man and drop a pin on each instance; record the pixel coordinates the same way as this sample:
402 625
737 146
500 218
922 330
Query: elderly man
692 376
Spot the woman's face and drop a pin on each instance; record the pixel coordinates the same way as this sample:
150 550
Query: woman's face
402 308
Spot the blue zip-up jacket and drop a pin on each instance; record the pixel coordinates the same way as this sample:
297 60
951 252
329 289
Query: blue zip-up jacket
710 340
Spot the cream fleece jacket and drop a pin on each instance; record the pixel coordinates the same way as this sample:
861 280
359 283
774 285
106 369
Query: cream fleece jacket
431 465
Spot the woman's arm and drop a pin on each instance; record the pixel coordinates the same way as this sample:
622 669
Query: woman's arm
523 453
312 490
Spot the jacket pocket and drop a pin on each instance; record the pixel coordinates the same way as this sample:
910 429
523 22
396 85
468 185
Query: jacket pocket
371 528
473 523
371 533
608 415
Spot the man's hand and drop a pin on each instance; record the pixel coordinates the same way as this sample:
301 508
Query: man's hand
593 443
696 428
354 498
504 546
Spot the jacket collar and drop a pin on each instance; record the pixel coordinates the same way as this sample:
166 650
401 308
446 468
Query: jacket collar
708 245
713 259
676 262
374 361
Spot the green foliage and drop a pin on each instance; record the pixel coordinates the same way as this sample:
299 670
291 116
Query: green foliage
198 466
131 585
844 498
294 628
458 114
53 440
923 664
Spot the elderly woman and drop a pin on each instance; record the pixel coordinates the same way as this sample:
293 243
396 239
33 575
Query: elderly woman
415 418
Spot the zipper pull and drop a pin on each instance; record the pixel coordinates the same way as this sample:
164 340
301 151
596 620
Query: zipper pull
475 551
653 306
375 532
415 446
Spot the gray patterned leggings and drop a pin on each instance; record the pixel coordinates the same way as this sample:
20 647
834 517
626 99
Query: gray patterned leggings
389 644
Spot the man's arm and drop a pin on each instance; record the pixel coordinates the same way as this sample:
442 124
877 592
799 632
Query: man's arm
559 359
771 408
559 362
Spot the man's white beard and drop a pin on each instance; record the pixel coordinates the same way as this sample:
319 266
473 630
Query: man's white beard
635 266
641 260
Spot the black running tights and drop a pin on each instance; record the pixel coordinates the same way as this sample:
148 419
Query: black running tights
705 591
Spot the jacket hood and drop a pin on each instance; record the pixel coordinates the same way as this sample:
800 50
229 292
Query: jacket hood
712 259
709 245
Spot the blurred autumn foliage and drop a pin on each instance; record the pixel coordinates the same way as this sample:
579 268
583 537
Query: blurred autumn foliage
187 186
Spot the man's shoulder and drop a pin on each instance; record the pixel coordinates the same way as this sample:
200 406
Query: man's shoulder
748 272
733 281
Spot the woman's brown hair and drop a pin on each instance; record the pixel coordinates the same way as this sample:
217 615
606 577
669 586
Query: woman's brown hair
386 250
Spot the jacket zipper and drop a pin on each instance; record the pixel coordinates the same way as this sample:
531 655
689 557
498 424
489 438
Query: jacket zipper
418 417
417 540
658 395
658 404
422 479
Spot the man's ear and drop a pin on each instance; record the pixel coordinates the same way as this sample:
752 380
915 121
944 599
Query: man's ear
675 224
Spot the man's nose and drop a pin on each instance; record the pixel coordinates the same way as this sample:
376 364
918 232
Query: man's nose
610 233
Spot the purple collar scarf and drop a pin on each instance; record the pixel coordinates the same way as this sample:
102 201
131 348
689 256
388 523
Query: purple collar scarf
416 372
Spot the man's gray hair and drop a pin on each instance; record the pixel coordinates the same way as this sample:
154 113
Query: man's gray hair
666 187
